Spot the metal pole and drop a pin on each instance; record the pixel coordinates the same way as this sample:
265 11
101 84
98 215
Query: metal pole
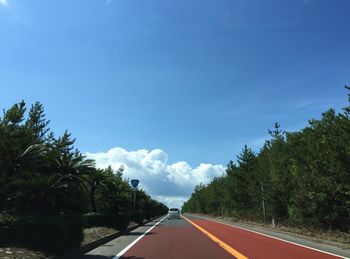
263 200
134 201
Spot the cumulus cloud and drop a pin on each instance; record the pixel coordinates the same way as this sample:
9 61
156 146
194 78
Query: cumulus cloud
171 201
171 184
3 2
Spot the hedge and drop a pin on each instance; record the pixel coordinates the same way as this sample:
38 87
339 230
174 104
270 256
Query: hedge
117 221
138 217
49 234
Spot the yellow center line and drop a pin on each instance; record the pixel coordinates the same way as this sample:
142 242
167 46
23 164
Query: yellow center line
225 246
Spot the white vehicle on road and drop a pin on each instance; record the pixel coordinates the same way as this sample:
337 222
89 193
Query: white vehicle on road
174 213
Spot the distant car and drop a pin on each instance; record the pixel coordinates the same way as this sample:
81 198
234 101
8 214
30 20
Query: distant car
174 213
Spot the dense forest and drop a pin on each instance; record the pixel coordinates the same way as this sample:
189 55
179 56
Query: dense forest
297 178
49 190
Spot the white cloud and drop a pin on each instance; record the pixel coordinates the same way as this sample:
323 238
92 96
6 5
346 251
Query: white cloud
3 2
168 183
171 201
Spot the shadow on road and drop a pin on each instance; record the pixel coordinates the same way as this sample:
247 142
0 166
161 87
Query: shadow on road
94 257
139 233
148 225
106 257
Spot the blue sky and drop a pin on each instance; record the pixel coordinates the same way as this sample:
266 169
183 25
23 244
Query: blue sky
194 79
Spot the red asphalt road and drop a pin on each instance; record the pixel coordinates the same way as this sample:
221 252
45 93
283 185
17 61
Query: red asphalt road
258 246
175 239
180 240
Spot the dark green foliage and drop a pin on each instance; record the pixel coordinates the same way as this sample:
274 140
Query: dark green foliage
303 178
50 234
137 217
93 219
117 221
44 180
36 123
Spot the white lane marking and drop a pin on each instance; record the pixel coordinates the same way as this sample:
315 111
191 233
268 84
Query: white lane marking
136 240
340 256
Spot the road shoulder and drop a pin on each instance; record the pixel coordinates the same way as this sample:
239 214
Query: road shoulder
288 237
115 246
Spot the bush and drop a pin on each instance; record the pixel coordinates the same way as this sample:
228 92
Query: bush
93 220
48 234
138 217
116 221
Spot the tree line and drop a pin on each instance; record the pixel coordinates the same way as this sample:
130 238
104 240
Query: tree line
45 176
298 178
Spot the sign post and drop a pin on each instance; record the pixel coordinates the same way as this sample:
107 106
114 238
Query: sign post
134 183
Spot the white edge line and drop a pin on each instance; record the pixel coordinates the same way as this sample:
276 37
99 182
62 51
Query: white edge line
325 252
136 240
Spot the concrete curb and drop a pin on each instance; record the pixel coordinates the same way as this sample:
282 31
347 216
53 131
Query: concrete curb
94 244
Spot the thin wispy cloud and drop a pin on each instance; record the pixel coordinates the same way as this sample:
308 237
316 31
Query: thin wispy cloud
223 104
304 103
319 104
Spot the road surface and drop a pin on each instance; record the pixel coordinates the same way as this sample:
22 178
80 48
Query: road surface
193 237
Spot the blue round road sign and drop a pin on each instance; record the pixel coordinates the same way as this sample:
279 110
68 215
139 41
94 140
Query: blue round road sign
134 182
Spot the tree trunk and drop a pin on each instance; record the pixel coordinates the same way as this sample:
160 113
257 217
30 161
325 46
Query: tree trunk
92 199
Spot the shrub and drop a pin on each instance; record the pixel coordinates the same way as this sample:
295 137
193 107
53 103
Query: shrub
93 220
48 234
138 217
116 221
